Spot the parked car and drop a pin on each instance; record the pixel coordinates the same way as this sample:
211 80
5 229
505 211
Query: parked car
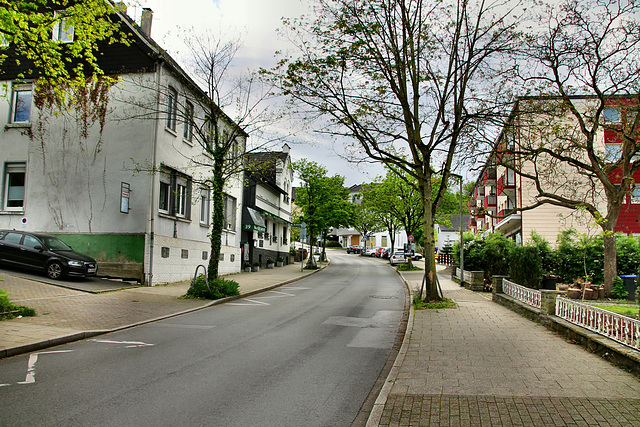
354 249
417 256
385 253
45 253
380 251
397 258
371 252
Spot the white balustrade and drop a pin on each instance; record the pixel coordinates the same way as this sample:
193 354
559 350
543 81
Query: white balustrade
528 296
622 329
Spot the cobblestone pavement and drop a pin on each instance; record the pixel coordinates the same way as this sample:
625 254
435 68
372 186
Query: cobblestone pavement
484 365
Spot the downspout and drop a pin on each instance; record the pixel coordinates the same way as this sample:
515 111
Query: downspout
152 193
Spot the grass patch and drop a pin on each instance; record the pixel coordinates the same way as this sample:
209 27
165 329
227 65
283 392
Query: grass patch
9 310
625 310
419 304
405 267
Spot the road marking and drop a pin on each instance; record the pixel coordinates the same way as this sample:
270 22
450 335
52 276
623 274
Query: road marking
128 344
31 366
280 295
252 301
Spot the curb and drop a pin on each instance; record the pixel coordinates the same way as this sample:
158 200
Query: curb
79 336
378 407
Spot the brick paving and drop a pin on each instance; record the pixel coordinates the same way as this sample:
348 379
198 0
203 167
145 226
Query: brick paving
483 365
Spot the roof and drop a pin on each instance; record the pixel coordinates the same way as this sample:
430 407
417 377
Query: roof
261 166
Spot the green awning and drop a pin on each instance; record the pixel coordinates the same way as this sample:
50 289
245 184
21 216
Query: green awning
252 220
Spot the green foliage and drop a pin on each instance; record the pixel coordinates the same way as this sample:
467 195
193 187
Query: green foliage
220 288
526 265
28 24
496 254
579 256
333 244
625 310
628 254
408 267
619 291
420 304
9 310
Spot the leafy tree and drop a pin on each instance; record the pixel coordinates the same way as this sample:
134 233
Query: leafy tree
407 80
322 199
592 49
27 27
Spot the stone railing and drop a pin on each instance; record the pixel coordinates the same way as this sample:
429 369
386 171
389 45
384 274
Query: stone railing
475 279
532 297
622 329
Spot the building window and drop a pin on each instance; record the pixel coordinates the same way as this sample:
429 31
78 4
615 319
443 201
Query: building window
205 255
230 206
175 193
613 153
208 132
184 254
635 194
21 103
164 197
172 108
611 115
181 200
62 30
14 180
164 252
205 203
188 122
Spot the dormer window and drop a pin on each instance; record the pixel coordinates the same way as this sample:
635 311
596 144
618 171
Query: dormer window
63 31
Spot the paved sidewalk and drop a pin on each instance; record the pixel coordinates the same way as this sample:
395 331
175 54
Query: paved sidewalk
484 365
65 315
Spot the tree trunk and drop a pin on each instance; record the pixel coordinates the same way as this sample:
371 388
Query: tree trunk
217 217
610 261
431 284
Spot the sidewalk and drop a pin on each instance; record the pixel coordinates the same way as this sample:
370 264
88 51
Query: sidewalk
65 315
484 365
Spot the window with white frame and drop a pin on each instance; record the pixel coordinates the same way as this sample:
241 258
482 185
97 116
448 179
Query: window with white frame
14 185
635 194
21 103
205 206
175 193
611 115
188 121
613 153
63 31
230 206
172 108
208 131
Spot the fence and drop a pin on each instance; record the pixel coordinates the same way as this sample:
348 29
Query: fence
622 329
528 296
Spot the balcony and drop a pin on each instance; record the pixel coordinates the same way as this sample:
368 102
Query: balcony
505 213
506 182
472 222
489 176
490 201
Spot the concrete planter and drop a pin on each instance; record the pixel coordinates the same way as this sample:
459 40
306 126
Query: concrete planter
255 268
270 266
279 263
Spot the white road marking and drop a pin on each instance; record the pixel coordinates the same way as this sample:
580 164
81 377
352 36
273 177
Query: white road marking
128 344
252 301
280 295
31 366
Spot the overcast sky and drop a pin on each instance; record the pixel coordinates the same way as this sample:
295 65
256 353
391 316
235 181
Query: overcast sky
257 22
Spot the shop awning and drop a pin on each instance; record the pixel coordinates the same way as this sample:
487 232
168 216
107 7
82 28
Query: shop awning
252 220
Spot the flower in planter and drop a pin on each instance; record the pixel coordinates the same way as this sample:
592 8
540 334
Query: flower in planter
270 261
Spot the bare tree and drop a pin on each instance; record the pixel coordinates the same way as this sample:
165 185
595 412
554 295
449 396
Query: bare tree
584 70
410 81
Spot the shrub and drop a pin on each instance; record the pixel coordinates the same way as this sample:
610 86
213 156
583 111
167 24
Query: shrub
10 310
220 288
628 254
495 254
526 266
333 244
576 253
619 291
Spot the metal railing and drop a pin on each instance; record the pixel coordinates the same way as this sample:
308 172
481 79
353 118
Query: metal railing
622 329
528 296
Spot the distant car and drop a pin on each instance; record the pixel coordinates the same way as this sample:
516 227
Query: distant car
371 252
385 253
354 249
380 251
397 258
45 253
417 256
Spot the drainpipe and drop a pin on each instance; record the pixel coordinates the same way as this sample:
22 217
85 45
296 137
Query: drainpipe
152 193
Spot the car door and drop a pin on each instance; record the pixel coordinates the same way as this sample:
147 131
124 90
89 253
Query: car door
33 252
10 247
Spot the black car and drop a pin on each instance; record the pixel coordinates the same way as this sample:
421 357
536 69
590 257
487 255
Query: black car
45 253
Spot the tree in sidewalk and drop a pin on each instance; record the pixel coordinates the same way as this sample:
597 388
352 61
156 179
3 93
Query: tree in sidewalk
58 40
584 68
408 81
366 221
323 201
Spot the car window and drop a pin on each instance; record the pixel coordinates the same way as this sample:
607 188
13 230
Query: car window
55 244
13 237
31 241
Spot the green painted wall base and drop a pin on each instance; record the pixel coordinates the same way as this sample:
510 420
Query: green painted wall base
119 248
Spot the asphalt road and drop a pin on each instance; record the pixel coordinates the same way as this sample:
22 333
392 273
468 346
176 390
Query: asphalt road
306 354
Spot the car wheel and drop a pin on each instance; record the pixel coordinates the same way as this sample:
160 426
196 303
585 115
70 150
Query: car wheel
54 270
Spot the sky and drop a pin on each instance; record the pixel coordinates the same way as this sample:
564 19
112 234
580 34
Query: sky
256 21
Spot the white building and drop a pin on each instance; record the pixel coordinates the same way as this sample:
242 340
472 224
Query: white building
126 184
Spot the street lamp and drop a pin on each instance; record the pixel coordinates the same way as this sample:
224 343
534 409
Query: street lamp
459 177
